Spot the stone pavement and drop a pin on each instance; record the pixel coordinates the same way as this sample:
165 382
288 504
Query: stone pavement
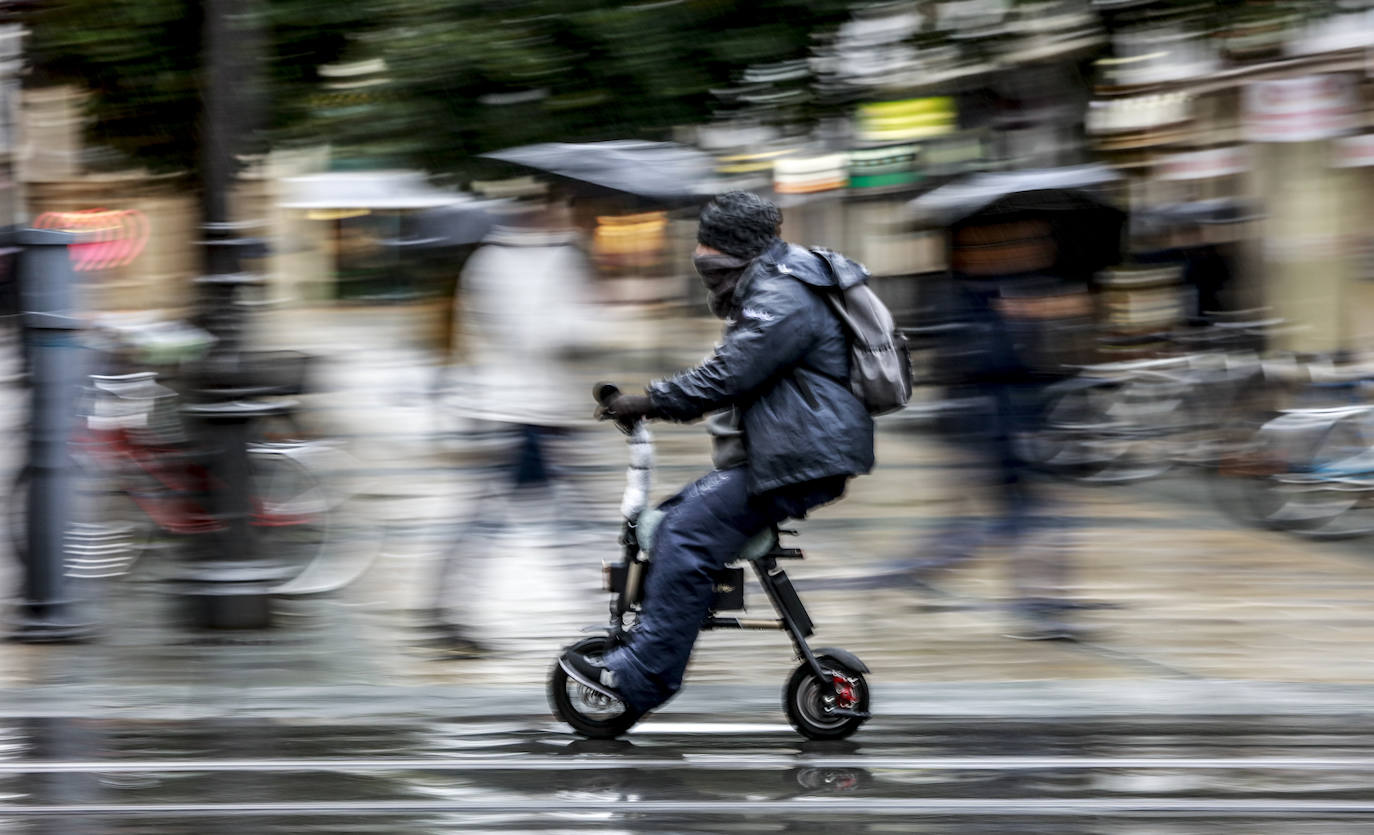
1197 613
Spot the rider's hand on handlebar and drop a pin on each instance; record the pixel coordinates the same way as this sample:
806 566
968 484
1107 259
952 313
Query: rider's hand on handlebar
627 410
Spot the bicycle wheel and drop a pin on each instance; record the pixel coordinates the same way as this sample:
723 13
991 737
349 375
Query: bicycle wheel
1334 497
291 508
809 707
106 535
1325 490
1090 435
589 713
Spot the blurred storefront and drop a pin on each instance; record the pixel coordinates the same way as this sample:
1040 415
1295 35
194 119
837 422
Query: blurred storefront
933 92
853 197
357 219
53 174
1259 110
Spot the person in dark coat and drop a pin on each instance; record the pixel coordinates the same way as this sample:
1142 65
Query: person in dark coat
782 370
1002 357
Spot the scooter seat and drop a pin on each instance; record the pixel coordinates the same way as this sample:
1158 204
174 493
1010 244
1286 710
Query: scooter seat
759 545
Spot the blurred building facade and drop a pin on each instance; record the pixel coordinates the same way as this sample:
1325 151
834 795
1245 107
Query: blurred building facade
1266 103
1269 107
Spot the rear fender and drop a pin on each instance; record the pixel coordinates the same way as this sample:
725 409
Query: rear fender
843 656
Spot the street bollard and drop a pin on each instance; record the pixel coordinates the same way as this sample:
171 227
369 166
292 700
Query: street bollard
48 612
230 587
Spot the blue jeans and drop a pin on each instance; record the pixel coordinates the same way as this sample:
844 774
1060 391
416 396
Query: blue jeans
704 528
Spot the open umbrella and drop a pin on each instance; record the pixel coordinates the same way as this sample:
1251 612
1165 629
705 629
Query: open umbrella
1073 201
455 225
995 192
1214 211
657 171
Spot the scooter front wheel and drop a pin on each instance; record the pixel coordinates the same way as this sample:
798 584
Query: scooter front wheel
815 712
590 713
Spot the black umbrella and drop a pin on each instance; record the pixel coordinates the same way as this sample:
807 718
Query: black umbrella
443 227
984 193
1086 226
657 171
1216 211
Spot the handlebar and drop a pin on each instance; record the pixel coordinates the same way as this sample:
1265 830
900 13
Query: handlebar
604 393
639 476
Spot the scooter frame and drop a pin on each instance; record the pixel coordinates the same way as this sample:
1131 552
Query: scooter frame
792 616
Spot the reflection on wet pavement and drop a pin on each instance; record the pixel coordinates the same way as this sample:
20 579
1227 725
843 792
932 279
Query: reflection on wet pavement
119 776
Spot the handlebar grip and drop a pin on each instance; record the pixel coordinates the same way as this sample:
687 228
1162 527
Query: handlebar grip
604 393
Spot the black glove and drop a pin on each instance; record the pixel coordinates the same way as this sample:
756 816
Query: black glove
628 409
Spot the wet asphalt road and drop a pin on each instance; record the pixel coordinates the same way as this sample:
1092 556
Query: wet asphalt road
674 774
186 765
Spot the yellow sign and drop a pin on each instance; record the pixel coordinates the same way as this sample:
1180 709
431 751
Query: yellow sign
335 214
637 239
894 121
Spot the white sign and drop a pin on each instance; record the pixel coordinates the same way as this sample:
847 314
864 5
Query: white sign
1201 165
1137 113
1302 109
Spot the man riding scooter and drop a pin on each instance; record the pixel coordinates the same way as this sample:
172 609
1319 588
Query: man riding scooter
788 431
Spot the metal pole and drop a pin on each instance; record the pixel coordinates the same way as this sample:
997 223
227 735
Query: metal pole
46 286
217 142
228 586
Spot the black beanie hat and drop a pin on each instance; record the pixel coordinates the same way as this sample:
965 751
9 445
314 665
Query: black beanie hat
739 223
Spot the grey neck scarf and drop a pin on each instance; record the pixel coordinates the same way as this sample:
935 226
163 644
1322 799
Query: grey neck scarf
721 274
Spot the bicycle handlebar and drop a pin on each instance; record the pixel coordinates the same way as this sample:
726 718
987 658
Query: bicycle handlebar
604 393
639 475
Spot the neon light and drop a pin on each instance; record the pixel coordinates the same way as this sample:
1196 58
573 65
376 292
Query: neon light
107 238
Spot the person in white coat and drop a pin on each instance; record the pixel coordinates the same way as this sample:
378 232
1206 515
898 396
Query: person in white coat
527 305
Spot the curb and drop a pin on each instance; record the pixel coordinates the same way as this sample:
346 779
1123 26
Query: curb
1107 700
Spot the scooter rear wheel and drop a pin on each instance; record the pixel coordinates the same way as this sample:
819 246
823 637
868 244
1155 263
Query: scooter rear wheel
589 713
810 706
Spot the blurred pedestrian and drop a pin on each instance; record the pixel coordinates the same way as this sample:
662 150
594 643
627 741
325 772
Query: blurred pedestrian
525 309
1008 302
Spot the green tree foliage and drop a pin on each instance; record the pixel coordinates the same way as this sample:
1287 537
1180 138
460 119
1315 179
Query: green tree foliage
461 76
141 62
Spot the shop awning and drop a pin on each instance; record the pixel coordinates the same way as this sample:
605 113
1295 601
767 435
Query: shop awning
382 190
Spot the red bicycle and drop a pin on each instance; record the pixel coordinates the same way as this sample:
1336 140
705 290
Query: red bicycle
142 478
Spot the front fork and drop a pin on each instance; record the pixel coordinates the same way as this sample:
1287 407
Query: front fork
628 598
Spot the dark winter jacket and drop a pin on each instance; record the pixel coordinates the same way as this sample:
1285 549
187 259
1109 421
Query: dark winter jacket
784 363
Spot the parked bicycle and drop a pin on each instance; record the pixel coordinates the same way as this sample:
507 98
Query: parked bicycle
1307 469
142 474
1132 420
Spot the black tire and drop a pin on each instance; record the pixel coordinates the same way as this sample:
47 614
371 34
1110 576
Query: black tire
805 705
588 713
1248 487
1082 441
110 521
285 486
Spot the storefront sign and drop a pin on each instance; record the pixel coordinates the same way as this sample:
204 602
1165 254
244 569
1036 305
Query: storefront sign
807 175
1202 165
883 167
1303 109
1138 113
903 121
105 238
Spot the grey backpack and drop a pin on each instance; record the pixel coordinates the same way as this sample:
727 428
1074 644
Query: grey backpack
879 362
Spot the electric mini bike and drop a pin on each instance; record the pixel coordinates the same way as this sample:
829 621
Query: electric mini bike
826 697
